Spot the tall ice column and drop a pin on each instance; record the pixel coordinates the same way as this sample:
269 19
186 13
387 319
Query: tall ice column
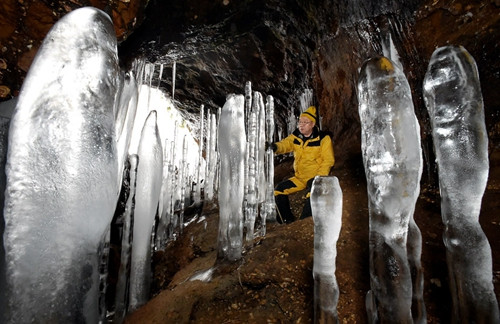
452 94
232 144
390 143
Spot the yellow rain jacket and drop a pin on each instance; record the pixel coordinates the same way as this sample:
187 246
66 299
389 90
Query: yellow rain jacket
312 157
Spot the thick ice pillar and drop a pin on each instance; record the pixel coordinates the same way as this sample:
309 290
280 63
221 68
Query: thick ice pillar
390 142
149 179
62 173
326 206
232 146
452 94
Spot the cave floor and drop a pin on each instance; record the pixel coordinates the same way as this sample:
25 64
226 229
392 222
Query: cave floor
273 283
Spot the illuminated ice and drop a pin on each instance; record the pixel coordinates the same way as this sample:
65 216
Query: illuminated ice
326 206
452 94
149 178
390 142
232 146
62 172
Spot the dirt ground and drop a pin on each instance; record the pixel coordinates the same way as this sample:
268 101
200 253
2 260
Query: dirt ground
273 281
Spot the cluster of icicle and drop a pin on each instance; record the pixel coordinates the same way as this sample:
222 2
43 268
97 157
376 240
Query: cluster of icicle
246 192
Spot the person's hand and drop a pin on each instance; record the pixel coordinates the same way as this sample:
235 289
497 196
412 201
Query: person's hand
272 146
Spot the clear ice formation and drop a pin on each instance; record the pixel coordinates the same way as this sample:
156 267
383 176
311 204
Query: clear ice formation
149 179
232 147
197 195
260 144
126 219
452 94
126 111
268 211
62 171
251 202
326 206
390 142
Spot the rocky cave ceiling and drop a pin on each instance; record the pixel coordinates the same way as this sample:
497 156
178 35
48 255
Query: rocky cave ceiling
282 47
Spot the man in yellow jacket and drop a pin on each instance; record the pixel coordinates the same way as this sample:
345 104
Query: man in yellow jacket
313 155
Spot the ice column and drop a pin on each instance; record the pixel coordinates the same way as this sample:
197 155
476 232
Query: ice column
212 158
452 94
62 171
149 177
390 142
127 108
232 145
183 182
174 65
208 192
269 210
248 101
326 206
197 196
160 74
127 221
251 195
260 141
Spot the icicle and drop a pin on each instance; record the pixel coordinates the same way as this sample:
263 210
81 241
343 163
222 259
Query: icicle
306 99
208 181
269 210
173 79
260 141
127 221
197 196
212 160
231 139
251 204
159 76
172 178
149 176
248 102
183 179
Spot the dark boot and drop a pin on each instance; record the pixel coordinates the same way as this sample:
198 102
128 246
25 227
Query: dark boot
284 213
306 211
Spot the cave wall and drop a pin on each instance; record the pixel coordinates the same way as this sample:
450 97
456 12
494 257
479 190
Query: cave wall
417 30
282 47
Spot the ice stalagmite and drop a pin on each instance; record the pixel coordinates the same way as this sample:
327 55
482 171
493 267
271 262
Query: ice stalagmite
62 172
269 209
252 193
260 147
149 178
326 206
452 94
390 142
197 195
232 146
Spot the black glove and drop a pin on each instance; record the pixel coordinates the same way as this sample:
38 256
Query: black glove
272 146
